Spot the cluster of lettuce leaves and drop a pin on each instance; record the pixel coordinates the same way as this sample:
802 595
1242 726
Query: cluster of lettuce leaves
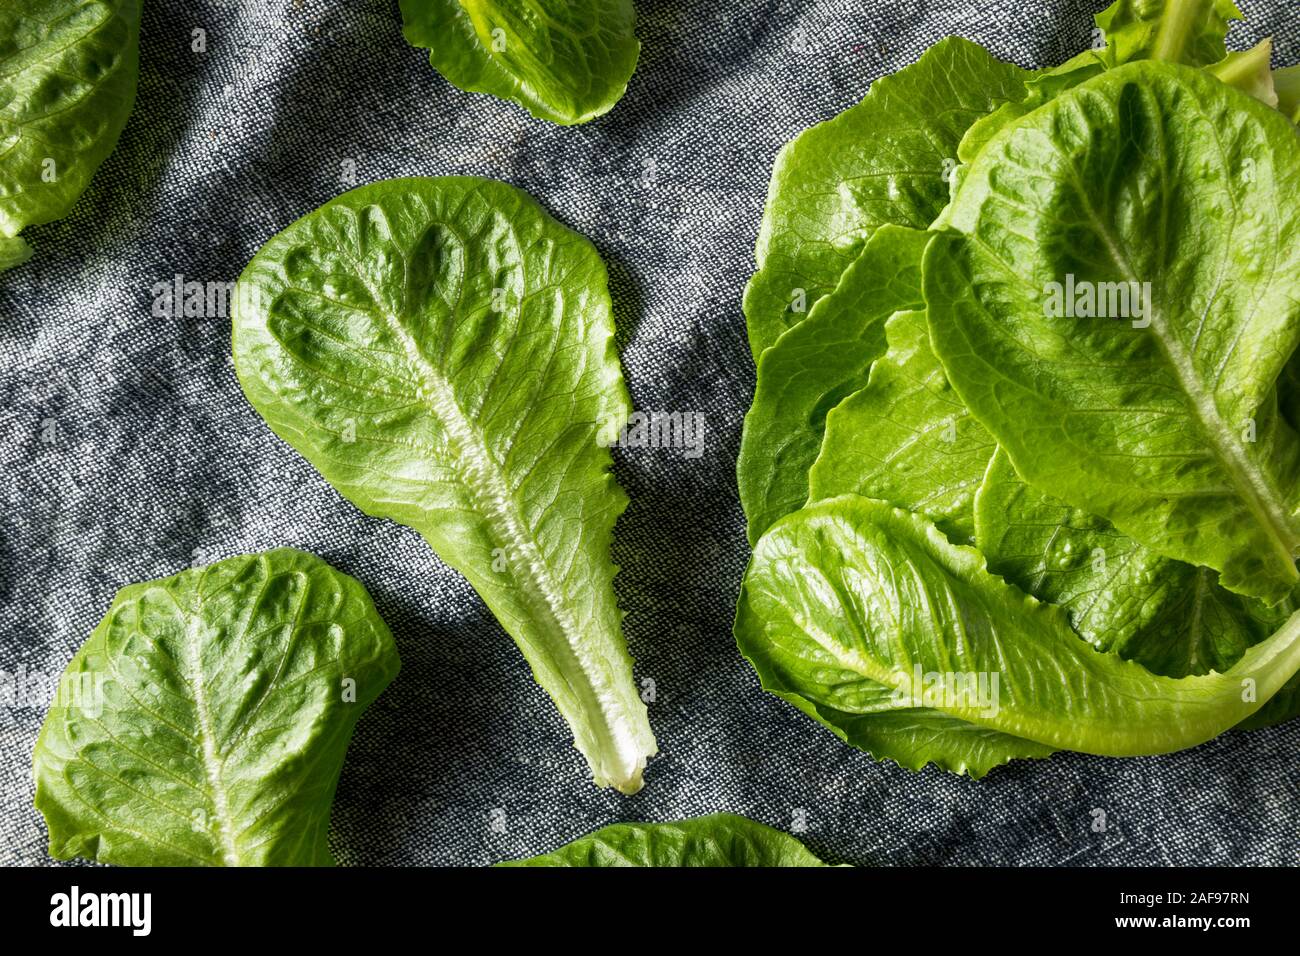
720 840
946 482
68 73
566 61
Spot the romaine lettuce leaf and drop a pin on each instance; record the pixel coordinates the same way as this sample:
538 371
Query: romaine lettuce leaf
1170 617
1159 186
567 61
815 364
906 437
1248 71
442 351
1191 32
1286 83
885 160
67 82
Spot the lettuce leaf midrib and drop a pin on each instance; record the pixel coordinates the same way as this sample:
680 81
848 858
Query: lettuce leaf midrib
208 748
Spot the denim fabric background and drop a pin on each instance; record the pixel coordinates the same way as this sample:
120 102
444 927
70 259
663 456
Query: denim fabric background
127 451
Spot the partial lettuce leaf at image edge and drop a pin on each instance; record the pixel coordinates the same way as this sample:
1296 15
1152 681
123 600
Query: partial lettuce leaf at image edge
720 840
851 597
1170 617
566 61
1191 32
1286 83
206 719
885 160
68 73
814 365
442 351
1191 458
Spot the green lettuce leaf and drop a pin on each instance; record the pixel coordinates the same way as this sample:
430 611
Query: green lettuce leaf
906 437
851 592
441 350
205 720
722 839
1281 707
1191 32
1170 617
13 252
868 717
1184 31
67 82
567 61
885 160
815 364
1149 173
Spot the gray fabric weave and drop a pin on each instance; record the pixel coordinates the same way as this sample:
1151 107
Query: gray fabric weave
127 451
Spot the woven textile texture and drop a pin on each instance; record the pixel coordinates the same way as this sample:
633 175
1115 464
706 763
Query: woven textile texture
127 451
